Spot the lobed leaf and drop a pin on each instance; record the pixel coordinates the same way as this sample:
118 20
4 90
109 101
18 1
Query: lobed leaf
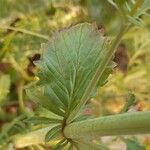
68 63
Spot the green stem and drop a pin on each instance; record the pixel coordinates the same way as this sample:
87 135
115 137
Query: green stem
98 73
24 31
19 69
20 96
121 124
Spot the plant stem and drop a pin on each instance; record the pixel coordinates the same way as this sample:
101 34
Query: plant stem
108 56
19 69
24 31
20 96
121 124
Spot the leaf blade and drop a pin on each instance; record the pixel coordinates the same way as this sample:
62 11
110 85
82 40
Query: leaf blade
52 133
42 120
64 68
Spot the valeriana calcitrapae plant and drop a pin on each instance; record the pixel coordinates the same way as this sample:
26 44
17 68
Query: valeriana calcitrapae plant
73 64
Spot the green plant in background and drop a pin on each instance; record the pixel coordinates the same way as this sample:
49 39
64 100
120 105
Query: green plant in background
74 63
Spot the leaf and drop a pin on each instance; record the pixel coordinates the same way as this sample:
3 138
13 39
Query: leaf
133 145
80 118
103 79
4 86
125 7
113 3
143 9
36 94
119 4
134 21
42 120
52 133
129 103
69 62
70 147
60 145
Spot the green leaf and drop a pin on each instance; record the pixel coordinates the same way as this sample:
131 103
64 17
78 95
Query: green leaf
113 3
52 133
60 145
119 4
129 103
4 86
70 147
36 94
134 21
81 118
133 145
69 62
103 79
143 9
42 120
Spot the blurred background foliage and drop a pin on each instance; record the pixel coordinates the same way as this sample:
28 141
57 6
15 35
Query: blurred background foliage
25 24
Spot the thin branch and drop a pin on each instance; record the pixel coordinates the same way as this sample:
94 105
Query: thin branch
24 31
20 96
16 66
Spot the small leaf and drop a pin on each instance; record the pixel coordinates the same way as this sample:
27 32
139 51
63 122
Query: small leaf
52 133
103 79
42 120
80 118
70 146
60 145
143 9
113 3
129 103
128 6
133 1
36 94
134 21
133 145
